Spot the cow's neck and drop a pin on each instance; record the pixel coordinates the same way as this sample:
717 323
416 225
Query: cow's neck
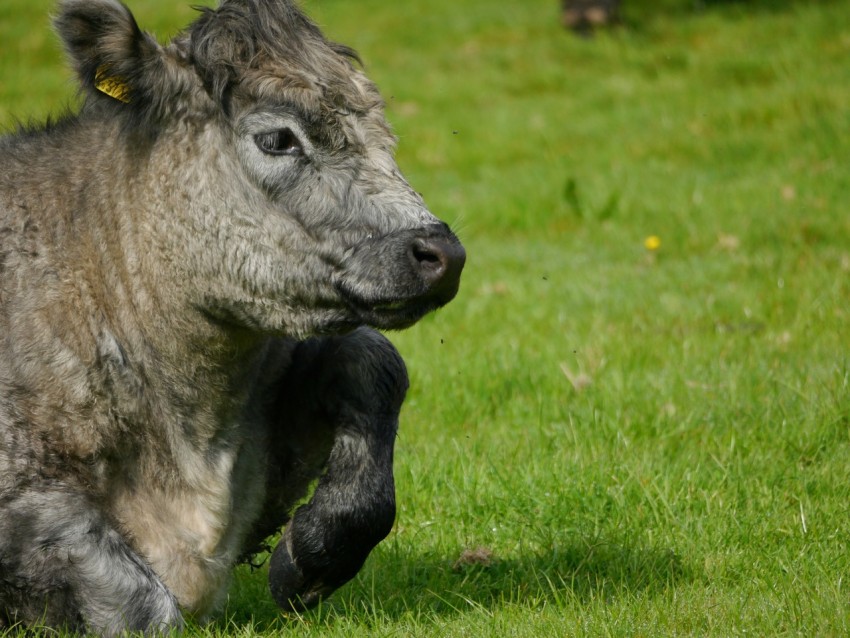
162 356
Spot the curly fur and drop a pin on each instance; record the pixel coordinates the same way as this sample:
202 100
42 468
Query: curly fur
183 348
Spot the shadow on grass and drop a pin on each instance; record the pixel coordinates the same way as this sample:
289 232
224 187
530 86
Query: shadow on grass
395 585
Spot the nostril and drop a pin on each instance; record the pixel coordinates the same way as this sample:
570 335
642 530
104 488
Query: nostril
439 262
427 256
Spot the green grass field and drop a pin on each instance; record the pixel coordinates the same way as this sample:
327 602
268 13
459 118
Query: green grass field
600 439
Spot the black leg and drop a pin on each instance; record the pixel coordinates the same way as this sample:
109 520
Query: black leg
339 411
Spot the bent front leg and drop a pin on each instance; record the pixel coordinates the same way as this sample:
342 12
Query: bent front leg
346 393
62 564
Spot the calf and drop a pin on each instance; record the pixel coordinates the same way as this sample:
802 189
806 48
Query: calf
191 270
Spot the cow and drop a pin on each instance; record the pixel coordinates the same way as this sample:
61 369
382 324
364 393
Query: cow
583 16
194 266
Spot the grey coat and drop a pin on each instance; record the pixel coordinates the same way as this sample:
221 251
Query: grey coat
186 269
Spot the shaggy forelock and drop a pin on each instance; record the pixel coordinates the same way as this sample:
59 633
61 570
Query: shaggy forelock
268 46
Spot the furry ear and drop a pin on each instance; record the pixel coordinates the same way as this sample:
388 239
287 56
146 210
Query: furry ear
110 54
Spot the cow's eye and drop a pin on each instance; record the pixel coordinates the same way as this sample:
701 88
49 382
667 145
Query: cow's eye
282 142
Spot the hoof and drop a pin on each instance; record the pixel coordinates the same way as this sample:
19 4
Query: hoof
287 582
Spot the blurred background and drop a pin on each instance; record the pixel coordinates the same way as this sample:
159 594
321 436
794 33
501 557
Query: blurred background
633 419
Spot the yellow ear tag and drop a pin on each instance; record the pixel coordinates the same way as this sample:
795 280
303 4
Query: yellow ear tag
114 87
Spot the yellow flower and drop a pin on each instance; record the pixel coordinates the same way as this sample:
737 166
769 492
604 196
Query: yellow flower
653 242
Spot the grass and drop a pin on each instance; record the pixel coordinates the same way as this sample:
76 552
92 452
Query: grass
643 443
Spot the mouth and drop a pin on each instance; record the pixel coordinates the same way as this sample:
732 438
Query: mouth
390 314
393 281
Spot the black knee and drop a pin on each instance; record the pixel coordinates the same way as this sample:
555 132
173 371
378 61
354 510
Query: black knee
361 370
374 370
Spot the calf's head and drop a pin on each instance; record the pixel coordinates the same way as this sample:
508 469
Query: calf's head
264 164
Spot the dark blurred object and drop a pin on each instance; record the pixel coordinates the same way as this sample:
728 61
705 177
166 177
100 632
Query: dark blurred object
583 16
